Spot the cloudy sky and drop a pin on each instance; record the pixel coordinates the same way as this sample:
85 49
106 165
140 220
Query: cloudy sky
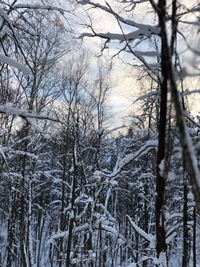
126 87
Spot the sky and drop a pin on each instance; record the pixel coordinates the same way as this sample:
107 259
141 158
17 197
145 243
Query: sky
123 77
126 87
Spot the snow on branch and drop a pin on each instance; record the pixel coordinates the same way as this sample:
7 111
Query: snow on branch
132 264
121 164
65 234
144 29
192 120
110 229
15 64
2 153
171 237
190 92
140 30
114 36
40 7
34 125
148 53
5 17
130 157
9 109
27 154
149 238
57 235
154 93
134 1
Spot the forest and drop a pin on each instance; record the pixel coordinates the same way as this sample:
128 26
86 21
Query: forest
79 187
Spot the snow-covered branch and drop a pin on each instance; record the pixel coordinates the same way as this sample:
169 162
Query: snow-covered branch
9 109
5 17
149 145
114 36
149 238
16 64
144 29
39 7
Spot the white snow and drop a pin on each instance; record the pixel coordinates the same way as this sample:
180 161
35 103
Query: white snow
5 17
130 157
132 265
142 233
16 64
38 6
9 108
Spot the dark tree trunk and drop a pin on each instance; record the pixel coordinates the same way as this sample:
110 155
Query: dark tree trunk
22 216
194 238
146 220
72 215
62 215
160 179
11 228
185 227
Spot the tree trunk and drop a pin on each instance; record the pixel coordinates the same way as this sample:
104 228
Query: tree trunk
160 180
185 226
22 217
10 238
194 238
72 214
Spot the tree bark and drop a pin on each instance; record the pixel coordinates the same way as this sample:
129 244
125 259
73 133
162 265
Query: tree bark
185 227
194 238
72 214
160 180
